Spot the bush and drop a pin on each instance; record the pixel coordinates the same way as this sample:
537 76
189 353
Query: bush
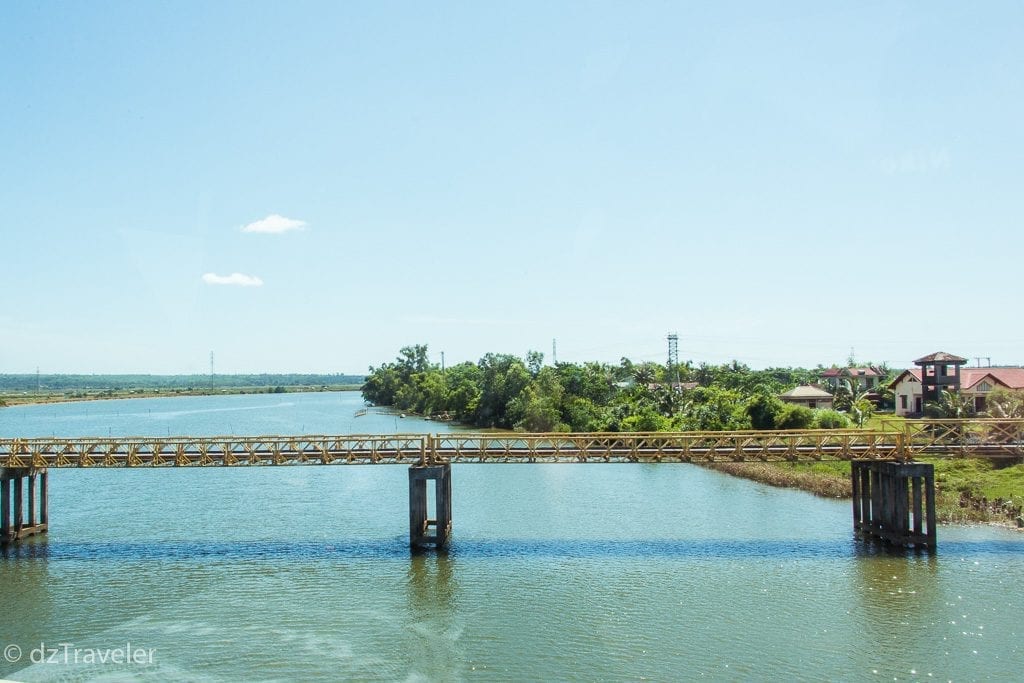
646 420
830 419
795 417
764 411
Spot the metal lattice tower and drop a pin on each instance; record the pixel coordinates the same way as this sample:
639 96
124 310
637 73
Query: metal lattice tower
673 357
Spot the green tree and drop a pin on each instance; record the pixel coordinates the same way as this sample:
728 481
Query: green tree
503 378
713 409
1005 403
381 385
463 383
861 411
534 362
531 411
646 419
645 374
764 411
583 415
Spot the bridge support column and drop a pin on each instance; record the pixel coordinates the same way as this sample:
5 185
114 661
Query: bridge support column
894 502
423 530
13 524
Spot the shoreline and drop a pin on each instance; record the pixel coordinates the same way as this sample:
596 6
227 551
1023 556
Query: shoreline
953 506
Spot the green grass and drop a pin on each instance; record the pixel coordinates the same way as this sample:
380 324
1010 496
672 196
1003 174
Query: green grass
968 490
981 478
884 422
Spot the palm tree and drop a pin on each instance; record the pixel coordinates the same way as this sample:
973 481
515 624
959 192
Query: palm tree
643 374
951 406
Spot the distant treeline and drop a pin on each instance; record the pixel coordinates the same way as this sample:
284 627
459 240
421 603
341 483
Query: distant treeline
506 391
66 383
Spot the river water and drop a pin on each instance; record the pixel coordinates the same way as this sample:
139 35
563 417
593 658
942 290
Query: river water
555 572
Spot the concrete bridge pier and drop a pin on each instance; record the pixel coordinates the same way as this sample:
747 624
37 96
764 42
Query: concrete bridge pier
424 530
894 502
18 520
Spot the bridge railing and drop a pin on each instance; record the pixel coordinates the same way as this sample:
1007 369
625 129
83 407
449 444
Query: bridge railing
667 446
991 438
976 437
185 451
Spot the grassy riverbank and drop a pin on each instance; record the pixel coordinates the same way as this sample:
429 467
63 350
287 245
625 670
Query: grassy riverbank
968 490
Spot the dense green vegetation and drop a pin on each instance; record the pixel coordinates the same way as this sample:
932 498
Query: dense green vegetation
509 392
506 391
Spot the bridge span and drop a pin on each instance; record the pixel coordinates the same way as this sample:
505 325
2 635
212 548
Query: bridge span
428 449
894 497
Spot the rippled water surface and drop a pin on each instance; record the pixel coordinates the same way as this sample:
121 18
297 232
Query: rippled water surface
579 572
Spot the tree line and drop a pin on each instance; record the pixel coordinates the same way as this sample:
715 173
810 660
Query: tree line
55 382
509 392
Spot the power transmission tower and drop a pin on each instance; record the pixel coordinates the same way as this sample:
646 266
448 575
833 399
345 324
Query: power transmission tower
673 358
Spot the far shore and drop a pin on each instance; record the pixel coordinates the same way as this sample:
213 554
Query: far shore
32 398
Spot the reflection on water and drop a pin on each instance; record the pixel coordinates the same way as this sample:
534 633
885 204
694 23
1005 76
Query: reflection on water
590 572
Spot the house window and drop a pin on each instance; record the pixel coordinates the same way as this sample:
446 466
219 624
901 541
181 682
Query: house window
984 386
929 371
812 404
903 401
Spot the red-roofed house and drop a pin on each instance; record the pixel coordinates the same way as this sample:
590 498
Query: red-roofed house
867 378
974 382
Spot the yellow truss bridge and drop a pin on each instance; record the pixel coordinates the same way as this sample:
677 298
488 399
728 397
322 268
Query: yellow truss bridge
893 496
973 438
426 450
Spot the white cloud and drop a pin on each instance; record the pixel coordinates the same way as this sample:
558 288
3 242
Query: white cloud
237 279
274 224
919 161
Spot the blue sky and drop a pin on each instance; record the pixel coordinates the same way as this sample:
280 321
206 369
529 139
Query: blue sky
776 184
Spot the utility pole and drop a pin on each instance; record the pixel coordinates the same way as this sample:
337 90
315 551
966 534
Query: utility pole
442 362
554 352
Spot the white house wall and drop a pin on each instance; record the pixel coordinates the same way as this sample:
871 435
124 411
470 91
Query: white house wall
912 390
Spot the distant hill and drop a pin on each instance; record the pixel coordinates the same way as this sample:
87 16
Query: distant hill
63 383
